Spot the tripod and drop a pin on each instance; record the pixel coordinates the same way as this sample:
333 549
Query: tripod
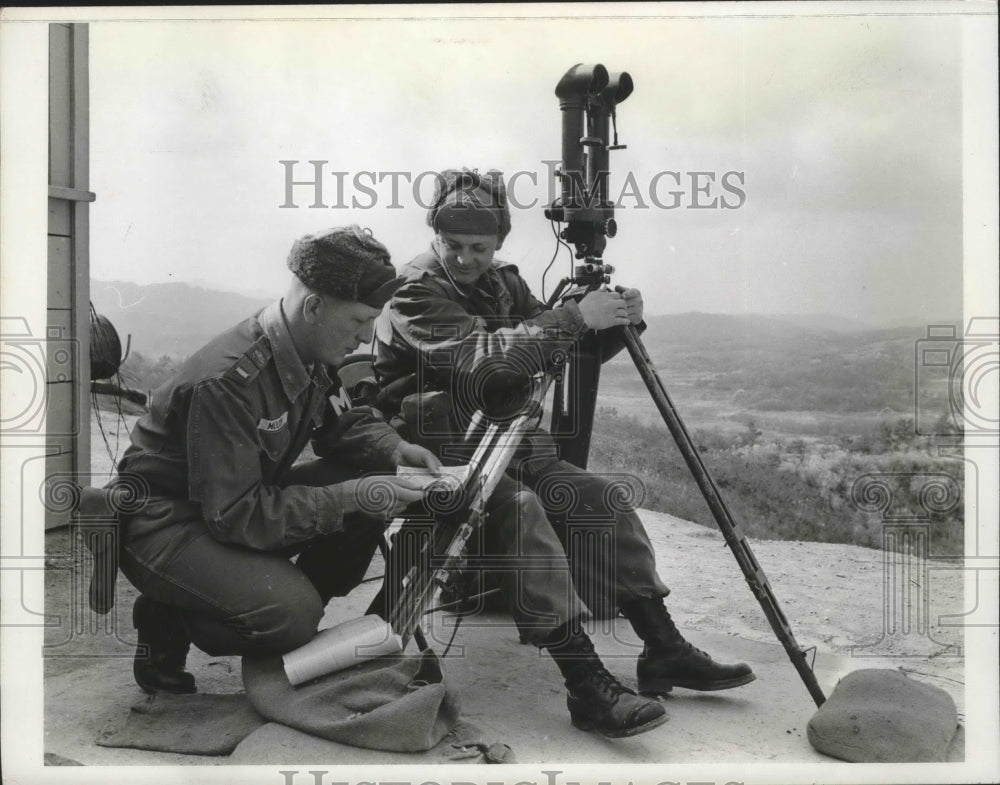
588 96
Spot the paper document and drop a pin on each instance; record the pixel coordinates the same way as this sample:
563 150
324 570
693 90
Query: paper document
451 477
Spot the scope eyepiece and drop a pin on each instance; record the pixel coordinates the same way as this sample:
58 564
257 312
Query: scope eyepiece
619 88
580 81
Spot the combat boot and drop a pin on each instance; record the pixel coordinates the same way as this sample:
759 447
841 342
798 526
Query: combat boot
596 700
668 661
163 647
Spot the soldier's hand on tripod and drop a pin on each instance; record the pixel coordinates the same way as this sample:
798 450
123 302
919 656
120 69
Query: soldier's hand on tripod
380 496
633 301
602 308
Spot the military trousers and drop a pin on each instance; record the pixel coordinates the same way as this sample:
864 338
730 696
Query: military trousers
234 600
609 552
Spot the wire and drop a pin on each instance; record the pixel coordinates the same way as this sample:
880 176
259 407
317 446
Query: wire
555 253
454 632
106 348
119 422
119 418
559 242
95 408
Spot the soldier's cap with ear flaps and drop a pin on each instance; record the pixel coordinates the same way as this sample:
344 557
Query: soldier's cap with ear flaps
466 202
346 262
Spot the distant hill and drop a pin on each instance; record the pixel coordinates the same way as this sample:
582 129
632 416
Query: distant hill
703 329
773 363
710 329
169 318
825 321
750 361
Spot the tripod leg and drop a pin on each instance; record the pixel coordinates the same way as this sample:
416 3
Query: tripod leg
572 422
737 543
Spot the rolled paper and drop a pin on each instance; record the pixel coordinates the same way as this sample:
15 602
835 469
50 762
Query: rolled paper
333 649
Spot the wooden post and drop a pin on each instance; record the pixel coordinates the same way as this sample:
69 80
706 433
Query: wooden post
68 322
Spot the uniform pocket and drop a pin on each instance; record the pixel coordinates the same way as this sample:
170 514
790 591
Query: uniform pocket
275 443
274 436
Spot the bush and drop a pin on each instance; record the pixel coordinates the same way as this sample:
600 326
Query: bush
798 491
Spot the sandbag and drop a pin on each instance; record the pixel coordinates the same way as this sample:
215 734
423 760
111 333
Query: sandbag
884 716
400 703
198 724
275 743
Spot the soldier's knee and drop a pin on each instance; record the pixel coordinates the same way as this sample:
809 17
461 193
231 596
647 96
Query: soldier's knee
617 496
281 626
300 626
518 510
528 507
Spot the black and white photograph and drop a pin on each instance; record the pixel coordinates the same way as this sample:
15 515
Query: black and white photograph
542 394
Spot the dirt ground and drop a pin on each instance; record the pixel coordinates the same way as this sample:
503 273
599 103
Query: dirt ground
833 596
859 608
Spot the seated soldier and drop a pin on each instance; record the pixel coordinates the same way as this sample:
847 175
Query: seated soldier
226 510
459 307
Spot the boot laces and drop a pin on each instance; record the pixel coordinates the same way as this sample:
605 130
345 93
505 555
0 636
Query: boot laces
588 668
679 648
606 683
689 647
676 639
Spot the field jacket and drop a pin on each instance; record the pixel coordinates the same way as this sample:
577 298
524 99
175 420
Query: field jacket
220 435
434 330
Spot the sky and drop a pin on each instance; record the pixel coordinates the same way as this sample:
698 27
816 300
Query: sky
840 139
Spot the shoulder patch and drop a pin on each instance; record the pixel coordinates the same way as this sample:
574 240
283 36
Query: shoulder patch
252 362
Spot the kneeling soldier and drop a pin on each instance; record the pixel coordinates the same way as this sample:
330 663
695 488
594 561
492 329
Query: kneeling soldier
225 510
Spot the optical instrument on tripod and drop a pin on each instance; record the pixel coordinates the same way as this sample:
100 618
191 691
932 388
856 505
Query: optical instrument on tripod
588 98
